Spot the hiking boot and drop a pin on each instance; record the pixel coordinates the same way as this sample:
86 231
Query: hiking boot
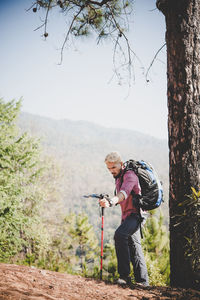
124 281
121 281
142 284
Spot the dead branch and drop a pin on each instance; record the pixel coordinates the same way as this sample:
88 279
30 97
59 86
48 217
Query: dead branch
152 62
68 32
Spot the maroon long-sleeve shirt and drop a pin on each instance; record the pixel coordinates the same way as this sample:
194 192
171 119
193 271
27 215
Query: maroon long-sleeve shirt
126 183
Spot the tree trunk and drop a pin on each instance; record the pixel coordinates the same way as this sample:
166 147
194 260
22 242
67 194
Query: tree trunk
183 72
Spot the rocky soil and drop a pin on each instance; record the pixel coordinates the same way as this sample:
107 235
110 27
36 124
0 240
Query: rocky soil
28 283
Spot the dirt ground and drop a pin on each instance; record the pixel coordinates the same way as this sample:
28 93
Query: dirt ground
28 283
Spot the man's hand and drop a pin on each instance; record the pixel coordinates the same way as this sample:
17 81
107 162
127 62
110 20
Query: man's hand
108 202
104 202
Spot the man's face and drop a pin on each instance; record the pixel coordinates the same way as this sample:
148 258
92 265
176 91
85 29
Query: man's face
114 168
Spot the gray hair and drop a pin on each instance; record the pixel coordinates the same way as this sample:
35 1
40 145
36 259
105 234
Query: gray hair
113 157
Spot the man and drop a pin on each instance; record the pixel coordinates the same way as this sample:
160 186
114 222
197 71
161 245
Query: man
127 236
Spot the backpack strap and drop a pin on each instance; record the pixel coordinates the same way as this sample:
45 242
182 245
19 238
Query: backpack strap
141 220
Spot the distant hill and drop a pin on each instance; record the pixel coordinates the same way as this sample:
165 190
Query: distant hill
80 148
65 135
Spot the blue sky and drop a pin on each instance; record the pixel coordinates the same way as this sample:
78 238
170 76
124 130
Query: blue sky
80 88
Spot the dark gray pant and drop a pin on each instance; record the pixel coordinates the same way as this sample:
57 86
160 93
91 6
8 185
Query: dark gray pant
128 249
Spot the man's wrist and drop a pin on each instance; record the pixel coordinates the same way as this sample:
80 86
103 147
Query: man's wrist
113 201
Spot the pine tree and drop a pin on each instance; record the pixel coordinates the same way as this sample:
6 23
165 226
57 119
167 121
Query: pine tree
20 199
85 240
156 248
110 262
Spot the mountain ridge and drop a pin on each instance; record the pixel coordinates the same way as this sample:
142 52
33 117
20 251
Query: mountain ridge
96 126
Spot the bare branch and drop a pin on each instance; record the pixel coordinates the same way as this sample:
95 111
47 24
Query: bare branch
46 18
152 62
121 33
39 27
35 3
67 35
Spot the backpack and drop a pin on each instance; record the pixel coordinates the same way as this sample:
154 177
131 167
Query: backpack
151 187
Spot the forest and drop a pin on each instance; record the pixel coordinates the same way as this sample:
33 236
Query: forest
46 168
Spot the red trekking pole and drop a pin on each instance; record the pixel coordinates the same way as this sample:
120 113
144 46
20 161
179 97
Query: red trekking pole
102 227
101 196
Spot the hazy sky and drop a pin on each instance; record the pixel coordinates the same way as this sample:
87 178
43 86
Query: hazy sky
80 88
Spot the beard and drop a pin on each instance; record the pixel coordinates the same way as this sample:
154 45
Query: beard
115 176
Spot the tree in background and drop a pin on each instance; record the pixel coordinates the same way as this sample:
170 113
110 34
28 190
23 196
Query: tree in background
60 256
110 262
108 18
156 249
21 233
84 241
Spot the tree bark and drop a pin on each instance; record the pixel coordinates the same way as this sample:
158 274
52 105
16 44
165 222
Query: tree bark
183 75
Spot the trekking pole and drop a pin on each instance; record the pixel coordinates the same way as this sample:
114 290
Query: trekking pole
102 230
101 196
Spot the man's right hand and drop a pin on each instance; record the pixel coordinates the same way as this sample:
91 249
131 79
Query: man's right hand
104 202
109 202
